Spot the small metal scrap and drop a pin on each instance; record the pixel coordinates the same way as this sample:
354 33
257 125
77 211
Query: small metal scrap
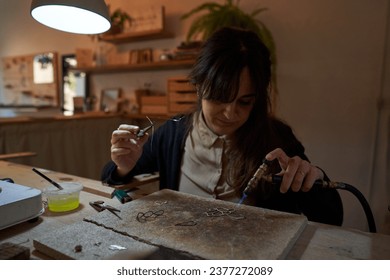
78 249
116 247
159 203
143 217
219 212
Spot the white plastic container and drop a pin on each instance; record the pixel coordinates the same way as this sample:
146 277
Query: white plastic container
63 200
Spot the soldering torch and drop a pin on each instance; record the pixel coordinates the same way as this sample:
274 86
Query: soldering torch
261 174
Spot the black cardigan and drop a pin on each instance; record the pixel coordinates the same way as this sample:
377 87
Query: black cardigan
163 153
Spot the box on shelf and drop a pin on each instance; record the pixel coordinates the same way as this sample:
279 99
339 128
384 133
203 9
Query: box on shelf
84 57
151 104
113 57
181 95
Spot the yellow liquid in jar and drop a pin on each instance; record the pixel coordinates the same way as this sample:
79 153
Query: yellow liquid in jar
63 204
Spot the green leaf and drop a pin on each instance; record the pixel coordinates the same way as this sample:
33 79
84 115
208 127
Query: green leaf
213 16
206 6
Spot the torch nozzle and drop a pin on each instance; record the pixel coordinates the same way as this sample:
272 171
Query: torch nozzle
260 172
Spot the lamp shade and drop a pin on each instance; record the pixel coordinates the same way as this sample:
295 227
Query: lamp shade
75 16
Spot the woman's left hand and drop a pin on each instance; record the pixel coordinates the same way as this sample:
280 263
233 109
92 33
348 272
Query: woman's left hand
298 174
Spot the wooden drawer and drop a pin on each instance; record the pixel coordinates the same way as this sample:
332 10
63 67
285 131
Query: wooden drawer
181 95
180 85
156 105
153 100
154 109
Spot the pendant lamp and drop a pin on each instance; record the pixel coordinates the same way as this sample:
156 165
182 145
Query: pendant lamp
75 16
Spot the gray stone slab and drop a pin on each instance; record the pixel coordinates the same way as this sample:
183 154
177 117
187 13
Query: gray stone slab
191 225
86 241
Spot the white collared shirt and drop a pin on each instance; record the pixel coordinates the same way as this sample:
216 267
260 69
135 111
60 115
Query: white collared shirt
203 166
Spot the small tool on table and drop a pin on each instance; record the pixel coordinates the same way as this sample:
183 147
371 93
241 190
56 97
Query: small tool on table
122 196
101 206
48 179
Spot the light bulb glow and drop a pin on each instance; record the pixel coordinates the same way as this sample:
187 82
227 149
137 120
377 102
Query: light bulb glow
71 19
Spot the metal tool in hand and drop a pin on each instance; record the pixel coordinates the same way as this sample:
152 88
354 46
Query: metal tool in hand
144 130
261 174
101 206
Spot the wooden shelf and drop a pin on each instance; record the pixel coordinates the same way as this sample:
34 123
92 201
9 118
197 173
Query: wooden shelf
160 65
136 36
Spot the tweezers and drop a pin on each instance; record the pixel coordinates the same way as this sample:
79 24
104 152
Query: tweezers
101 206
144 130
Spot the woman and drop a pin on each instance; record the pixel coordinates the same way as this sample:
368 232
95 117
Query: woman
215 150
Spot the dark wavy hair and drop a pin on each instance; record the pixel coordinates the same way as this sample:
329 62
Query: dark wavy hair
216 76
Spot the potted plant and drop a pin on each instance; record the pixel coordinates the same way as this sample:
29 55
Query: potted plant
118 21
214 16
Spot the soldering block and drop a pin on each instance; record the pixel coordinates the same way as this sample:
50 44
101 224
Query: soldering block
184 226
182 223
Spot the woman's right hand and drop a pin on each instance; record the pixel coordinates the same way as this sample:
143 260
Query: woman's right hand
126 147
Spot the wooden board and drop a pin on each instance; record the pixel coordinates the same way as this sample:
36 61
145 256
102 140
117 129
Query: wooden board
183 225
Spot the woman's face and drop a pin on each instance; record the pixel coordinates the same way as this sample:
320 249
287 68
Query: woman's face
226 118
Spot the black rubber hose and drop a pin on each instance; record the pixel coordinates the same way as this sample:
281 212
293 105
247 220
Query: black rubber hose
363 202
276 179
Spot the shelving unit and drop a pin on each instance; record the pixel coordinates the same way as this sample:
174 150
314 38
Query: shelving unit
122 38
123 66
152 66
136 36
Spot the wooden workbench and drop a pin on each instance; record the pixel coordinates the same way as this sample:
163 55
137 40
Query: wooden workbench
316 241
